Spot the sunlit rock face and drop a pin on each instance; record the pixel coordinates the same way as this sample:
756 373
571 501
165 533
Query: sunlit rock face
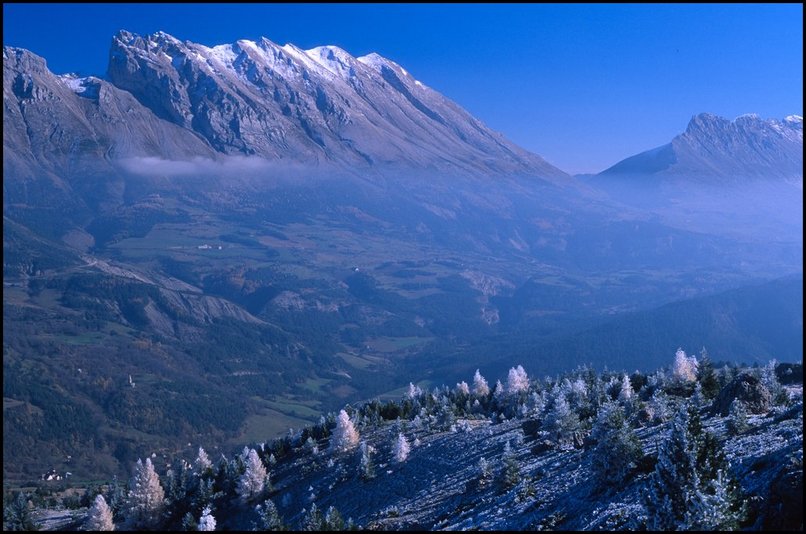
717 149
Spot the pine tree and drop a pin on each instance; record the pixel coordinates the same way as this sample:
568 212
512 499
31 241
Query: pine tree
675 476
480 386
737 418
207 521
561 422
691 472
17 515
413 392
626 393
706 376
685 367
146 497
517 380
99 516
485 471
269 517
718 507
617 449
401 449
511 474
366 466
312 521
345 436
333 520
202 464
253 480
189 523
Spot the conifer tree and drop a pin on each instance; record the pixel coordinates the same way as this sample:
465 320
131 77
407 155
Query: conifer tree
269 517
617 449
561 422
99 516
626 393
202 463
737 418
517 380
252 482
146 499
345 436
401 449
207 522
333 520
366 466
706 376
480 386
312 520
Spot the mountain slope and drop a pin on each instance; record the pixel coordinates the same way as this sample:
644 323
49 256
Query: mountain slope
320 105
718 149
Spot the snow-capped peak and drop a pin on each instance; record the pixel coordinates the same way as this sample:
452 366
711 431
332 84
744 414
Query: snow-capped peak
334 59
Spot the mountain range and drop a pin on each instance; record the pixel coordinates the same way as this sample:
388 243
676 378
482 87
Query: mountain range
253 233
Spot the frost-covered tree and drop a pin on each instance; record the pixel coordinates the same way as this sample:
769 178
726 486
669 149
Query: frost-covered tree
413 392
737 418
684 368
691 469
769 379
345 436
675 477
485 471
268 516
717 507
561 422
462 388
146 497
253 479
333 520
517 380
480 386
366 465
499 391
626 393
617 448
202 463
312 520
207 521
99 516
401 449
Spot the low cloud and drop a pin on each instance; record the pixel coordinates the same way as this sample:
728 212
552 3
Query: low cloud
241 166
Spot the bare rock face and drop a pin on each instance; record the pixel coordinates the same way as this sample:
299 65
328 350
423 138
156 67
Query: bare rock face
315 106
746 388
718 149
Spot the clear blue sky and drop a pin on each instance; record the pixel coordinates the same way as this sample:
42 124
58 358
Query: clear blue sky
582 85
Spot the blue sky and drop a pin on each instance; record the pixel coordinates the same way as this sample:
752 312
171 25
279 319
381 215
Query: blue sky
582 85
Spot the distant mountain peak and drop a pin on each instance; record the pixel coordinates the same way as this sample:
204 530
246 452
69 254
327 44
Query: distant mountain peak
713 147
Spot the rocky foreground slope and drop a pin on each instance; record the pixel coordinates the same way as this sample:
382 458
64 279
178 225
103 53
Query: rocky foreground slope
689 448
